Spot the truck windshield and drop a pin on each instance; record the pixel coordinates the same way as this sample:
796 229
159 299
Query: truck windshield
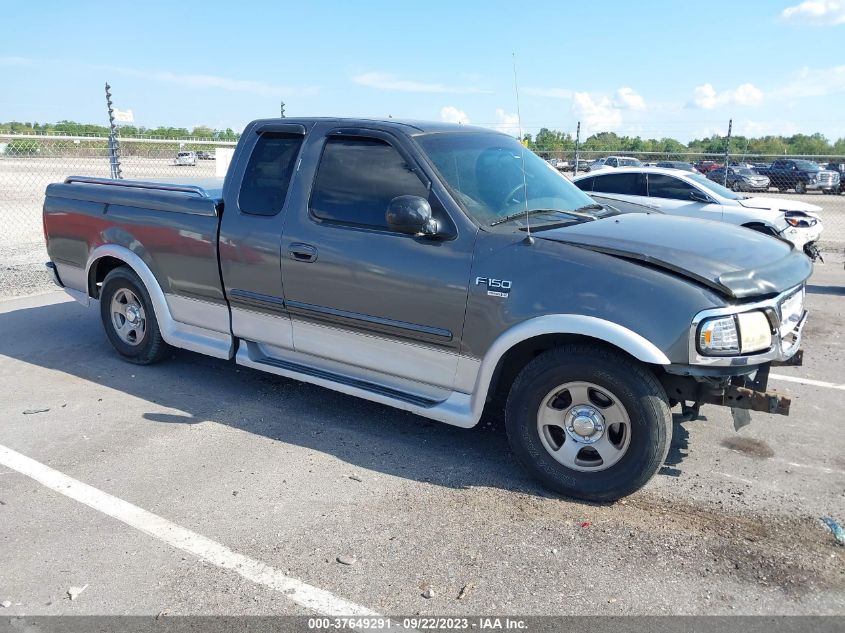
807 165
485 173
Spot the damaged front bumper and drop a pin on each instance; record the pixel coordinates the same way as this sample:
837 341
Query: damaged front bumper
744 391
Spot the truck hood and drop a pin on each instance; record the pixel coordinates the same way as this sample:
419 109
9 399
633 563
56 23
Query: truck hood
736 262
779 205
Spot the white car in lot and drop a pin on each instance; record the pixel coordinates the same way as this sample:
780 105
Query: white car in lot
676 192
186 158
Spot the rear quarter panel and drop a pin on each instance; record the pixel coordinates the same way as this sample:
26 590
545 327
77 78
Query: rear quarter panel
176 240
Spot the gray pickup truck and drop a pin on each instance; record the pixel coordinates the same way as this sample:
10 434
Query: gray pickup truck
441 269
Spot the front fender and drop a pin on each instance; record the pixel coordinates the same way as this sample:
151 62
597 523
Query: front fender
577 324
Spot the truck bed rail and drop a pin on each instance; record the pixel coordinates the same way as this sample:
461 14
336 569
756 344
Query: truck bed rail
138 184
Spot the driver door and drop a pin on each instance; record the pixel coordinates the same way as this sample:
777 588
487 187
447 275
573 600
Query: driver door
360 293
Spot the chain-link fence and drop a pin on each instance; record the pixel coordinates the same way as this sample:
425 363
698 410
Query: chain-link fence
29 163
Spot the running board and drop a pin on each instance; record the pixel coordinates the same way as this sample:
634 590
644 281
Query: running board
417 401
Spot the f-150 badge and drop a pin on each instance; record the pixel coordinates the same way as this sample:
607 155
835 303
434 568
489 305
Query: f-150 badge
495 287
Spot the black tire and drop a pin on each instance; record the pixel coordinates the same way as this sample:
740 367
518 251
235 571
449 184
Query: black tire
635 387
735 186
151 347
800 187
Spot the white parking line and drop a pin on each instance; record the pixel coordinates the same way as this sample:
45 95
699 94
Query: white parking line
808 381
295 590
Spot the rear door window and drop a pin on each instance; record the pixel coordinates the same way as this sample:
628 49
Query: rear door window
628 184
268 173
662 186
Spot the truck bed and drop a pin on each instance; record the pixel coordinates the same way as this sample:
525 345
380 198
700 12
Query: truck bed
172 227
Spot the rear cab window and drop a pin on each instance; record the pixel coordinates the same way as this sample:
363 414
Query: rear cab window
268 173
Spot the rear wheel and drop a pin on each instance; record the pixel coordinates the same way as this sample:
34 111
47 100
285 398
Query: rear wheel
128 318
735 186
588 423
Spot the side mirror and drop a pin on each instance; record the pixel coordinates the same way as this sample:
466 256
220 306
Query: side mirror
411 215
698 196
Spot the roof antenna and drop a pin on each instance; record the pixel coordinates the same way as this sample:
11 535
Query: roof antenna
529 239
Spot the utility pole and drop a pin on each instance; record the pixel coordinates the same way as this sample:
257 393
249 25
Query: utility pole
577 143
114 146
728 151
282 108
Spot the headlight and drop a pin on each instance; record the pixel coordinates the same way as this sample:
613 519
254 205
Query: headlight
735 334
797 218
718 337
755 332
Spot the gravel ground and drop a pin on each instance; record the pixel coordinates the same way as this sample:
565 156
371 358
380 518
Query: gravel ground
295 476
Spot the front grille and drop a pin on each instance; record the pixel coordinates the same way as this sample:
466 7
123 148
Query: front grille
791 311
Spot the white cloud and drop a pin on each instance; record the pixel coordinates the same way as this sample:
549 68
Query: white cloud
508 122
260 88
766 128
627 98
597 114
551 93
391 83
819 12
15 61
813 82
451 114
707 97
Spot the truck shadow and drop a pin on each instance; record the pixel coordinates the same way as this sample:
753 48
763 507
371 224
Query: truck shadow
68 338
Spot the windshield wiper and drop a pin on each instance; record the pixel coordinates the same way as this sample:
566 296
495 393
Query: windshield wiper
595 206
522 214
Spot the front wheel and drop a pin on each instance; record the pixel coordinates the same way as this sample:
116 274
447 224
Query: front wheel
800 187
588 422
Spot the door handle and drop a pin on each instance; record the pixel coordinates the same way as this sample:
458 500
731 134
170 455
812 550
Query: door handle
302 252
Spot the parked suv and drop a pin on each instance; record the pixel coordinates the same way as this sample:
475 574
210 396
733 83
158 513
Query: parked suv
838 168
614 161
673 192
186 158
740 179
675 164
801 175
704 166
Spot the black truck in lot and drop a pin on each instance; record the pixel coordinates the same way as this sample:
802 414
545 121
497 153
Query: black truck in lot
441 269
838 168
800 175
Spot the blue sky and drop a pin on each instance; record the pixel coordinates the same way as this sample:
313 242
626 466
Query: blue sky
679 69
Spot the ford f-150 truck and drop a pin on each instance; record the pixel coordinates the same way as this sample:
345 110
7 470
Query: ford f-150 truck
801 175
440 269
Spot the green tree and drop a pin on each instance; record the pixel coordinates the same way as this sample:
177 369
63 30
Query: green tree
22 147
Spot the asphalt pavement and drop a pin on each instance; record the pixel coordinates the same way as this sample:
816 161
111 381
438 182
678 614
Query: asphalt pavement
199 487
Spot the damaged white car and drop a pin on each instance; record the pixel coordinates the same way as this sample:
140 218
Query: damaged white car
676 192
